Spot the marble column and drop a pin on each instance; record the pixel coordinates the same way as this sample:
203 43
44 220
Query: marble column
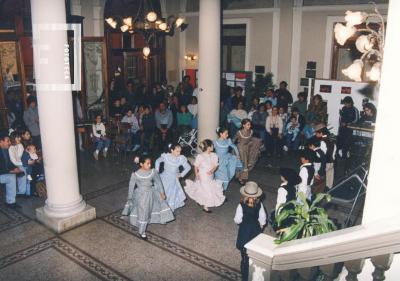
381 199
209 68
64 207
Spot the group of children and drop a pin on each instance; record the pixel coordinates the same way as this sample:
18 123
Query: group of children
155 193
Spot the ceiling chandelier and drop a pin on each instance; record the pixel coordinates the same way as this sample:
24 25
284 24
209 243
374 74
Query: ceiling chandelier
370 43
148 23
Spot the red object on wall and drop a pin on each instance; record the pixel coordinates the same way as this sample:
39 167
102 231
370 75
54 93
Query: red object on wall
192 74
240 75
139 41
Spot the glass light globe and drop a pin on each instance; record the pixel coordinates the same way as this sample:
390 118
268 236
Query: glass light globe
179 21
111 22
364 44
162 26
146 51
124 28
343 32
151 16
375 73
354 70
355 18
127 21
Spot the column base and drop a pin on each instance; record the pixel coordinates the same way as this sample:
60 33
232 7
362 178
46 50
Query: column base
63 224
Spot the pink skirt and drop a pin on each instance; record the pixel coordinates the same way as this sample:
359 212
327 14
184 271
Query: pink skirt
208 193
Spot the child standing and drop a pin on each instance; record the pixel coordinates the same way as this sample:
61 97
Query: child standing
306 173
328 146
170 175
146 198
205 190
319 163
251 218
227 161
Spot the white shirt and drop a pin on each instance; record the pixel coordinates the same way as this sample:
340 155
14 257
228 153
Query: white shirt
303 186
193 109
99 127
274 122
239 113
262 216
195 92
281 199
15 152
131 121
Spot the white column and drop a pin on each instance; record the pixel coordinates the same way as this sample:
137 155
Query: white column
296 45
98 19
209 67
275 39
383 187
56 118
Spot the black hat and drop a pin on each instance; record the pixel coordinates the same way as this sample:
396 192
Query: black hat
290 175
307 154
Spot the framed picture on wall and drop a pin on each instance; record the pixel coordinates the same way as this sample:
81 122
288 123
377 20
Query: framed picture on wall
325 88
345 90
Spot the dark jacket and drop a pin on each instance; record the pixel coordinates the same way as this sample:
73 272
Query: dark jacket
5 162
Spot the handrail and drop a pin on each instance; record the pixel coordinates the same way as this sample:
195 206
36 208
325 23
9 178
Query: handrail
357 242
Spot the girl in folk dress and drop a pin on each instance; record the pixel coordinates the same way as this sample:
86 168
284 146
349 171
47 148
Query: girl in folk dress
251 217
146 198
172 162
227 161
205 190
249 149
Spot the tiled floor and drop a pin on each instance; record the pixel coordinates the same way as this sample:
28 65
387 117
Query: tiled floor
196 246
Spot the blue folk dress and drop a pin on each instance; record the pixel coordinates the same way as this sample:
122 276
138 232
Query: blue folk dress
144 203
170 178
227 161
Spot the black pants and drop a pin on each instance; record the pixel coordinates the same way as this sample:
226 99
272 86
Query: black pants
244 265
274 142
345 137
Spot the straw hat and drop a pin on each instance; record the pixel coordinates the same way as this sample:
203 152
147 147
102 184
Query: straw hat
251 189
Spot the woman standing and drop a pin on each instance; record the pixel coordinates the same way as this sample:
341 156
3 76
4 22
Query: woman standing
172 163
227 161
206 191
249 149
146 198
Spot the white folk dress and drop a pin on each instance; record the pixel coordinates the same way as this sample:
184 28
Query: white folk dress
205 190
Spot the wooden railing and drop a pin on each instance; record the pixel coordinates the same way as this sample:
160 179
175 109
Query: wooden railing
325 255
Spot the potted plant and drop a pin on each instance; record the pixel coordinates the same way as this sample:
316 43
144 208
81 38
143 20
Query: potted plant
300 219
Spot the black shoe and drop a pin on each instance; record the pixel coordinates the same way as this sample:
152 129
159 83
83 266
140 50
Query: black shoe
13 206
207 211
22 196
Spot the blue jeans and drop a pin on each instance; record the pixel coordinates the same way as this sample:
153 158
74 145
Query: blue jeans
292 144
102 143
11 187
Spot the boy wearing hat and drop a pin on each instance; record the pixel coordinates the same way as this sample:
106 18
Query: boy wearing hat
251 218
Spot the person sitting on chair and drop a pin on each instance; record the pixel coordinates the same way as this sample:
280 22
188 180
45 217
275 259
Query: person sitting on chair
133 130
99 137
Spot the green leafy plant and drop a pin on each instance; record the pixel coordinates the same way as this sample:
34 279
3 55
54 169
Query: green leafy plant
303 219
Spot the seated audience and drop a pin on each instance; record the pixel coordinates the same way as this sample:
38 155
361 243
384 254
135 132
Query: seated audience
254 107
269 96
148 125
235 118
283 96
10 175
184 120
317 111
31 119
193 108
133 131
164 120
116 110
29 159
292 134
301 103
100 138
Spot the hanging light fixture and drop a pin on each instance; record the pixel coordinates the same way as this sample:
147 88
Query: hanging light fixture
370 43
148 23
146 52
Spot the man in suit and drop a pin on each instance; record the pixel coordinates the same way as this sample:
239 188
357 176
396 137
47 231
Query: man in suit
9 174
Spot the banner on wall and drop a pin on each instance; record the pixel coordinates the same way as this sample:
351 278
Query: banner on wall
333 91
